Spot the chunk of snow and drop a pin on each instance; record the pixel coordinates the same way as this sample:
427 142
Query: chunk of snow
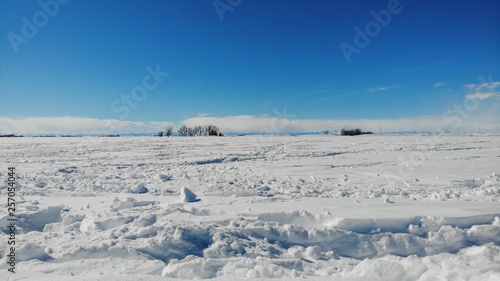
139 189
40 184
188 196
163 177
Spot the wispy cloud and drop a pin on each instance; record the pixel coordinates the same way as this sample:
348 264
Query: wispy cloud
438 85
378 89
375 89
318 92
268 103
321 93
481 86
75 125
482 96
382 88
423 67
340 96
482 91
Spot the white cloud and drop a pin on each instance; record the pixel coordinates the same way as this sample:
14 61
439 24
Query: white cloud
75 125
268 103
438 85
487 85
482 91
378 89
382 88
487 117
482 96
250 123
318 92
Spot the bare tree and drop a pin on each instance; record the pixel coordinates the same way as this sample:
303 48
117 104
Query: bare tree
183 131
353 132
203 131
212 130
207 130
197 131
168 133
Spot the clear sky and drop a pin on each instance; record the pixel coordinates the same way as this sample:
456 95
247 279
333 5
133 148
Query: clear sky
248 61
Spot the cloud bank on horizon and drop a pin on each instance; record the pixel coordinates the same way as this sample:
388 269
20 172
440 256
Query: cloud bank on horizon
76 125
448 122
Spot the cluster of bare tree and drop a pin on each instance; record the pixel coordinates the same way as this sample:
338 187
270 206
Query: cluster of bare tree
168 133
353 132
207 130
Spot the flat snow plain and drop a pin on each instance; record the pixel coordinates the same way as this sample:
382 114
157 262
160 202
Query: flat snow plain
319 207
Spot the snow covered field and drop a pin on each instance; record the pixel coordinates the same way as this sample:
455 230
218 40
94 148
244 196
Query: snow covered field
320 206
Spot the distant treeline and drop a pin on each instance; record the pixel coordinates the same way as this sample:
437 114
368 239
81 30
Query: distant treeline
185 131
354 132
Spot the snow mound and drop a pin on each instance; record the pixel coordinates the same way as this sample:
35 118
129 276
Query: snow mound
36 221
188 196
139 189
163 178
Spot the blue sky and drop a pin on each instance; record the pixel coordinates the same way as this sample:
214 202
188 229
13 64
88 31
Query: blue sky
253 62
